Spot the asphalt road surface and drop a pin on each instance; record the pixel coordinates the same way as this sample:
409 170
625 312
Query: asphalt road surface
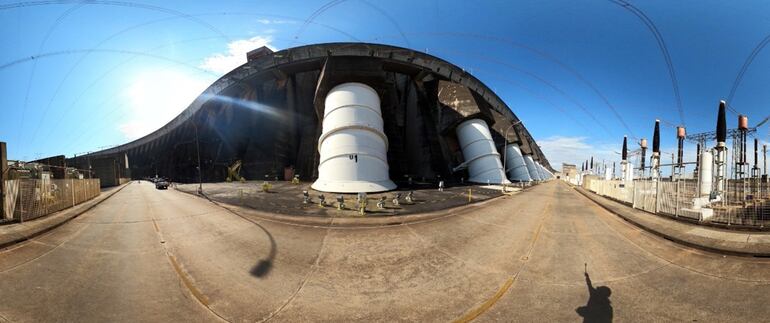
546 254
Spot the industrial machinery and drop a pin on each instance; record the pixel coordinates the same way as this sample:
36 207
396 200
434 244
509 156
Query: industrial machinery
680 136
643 147
626 168
234 171
655 158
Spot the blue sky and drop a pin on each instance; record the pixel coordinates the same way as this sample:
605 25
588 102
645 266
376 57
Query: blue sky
107 72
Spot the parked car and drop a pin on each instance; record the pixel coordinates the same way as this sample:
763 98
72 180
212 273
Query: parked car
161 184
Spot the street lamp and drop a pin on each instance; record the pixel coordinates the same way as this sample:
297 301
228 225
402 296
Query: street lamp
198 152
505 146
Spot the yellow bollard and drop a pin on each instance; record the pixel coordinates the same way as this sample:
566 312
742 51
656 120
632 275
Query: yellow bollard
469 195
362 207
266 186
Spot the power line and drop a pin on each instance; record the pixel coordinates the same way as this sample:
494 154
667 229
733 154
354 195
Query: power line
333 3
315 14
93 2
537 96
130 28
83 57
547 83
664 50
389 17
745 66
95 50
31 78
113 97
545 56
126 4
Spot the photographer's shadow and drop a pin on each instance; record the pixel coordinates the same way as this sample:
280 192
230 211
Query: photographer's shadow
599 306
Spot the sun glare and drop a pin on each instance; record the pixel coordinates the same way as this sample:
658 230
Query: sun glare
156 97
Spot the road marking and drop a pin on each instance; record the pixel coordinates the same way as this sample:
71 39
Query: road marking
537 233
183 276
187 282
473 314
470 316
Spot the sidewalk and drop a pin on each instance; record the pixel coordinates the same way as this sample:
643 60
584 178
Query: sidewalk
742 243
368 221
11 234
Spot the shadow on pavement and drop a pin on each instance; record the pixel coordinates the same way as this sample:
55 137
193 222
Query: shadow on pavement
599 306
263 266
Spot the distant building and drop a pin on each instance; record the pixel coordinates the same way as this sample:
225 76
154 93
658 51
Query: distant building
569 173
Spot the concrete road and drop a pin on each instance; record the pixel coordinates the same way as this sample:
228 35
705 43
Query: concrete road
547 254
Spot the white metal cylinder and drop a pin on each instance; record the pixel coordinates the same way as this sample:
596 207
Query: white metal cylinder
720 163
623 172
628 171
353 146
655 166
481 156
546 172
540 171
607 174
514 164
532 168
705 172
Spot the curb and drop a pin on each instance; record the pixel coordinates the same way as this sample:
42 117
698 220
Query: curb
669 237
36 233
353 222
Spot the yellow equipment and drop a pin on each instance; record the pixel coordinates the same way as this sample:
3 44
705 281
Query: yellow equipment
233 172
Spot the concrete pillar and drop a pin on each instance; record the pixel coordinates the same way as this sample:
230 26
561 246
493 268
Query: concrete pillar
3 177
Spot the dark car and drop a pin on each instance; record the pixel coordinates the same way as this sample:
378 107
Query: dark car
161 184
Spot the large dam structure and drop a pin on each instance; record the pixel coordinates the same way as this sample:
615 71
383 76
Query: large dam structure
384 161
399 114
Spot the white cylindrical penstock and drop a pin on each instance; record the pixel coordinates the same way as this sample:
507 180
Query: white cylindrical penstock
515 165
353 146
479 152
531 168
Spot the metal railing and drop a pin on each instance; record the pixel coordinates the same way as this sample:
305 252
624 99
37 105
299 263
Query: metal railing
745 202
29 199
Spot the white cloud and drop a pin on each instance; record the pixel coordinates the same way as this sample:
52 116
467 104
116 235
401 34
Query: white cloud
275 21
575 150
236 54
155 98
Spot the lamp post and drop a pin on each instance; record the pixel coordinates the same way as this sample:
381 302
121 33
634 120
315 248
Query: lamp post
198 152
505 145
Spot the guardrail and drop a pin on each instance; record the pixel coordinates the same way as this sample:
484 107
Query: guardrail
29 199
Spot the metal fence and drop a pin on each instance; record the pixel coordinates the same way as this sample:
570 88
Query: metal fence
29 199
745 202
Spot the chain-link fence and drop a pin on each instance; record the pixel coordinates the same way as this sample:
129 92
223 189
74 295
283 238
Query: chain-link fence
32 198
745 202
